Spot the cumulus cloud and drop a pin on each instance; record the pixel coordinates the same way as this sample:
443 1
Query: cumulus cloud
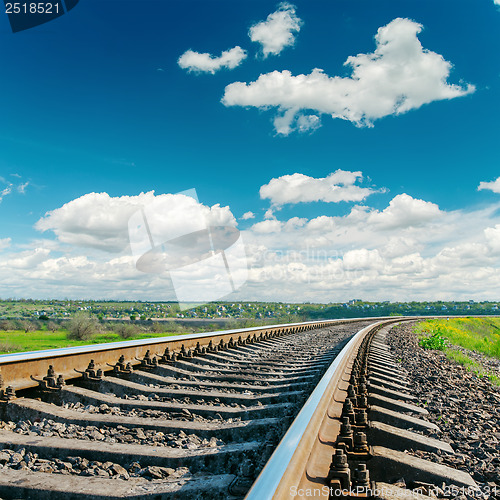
400 75
29 259
411 250
5 243
362 259
405 211
491 186
206 63
492 235
248 215
299 188
100 221
277 31
267 226
414 251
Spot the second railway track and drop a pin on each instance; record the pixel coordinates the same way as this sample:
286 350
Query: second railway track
192 417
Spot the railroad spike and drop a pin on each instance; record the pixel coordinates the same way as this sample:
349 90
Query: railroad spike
7 394
348 411
149 362
361 418
362 389
339 470
362 401
360 443
120 368
351 391
50 382
91 373
346 434
197 349
361 477
166 356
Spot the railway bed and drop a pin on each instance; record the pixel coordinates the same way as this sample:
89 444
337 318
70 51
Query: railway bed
317 409
200 424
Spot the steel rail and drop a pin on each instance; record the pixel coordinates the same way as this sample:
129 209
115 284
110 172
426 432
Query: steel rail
287 465
19 370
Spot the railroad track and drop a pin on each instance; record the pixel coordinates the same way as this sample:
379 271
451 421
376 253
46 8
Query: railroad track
200 416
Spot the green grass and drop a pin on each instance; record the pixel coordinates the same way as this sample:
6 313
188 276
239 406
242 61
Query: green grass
464 360
474 334
435 341
19 341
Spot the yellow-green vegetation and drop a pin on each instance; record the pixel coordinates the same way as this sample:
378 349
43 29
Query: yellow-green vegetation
474 334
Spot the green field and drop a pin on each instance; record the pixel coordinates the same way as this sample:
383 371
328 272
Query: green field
21 341
481 335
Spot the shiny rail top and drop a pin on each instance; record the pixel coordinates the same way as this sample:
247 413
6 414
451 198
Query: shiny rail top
272 482
25 370
65 351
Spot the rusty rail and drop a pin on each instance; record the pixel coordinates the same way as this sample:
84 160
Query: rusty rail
302 459
24 370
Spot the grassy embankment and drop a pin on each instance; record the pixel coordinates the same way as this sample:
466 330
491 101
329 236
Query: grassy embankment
82 329
481 335
21 341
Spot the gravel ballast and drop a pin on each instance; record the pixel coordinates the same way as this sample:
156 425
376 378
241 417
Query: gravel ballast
464 406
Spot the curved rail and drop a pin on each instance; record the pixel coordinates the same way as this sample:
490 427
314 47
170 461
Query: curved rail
285 468
18 370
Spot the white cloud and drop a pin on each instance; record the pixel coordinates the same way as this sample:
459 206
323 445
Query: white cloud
29 259
404 211
299 188
11 188
4 192
362 259
206 63
248 215
492 235
22 187
267 226
277 31
491 186
5 243
496 2
99 221
269 213
400 75
410 250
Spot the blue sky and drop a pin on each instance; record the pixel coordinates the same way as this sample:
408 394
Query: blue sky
97 102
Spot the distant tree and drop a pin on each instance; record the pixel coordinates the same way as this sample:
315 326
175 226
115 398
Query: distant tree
82 326
157 327
27 326
125 331
52 326
6 325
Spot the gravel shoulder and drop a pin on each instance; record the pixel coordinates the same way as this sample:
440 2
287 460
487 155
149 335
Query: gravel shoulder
464 406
